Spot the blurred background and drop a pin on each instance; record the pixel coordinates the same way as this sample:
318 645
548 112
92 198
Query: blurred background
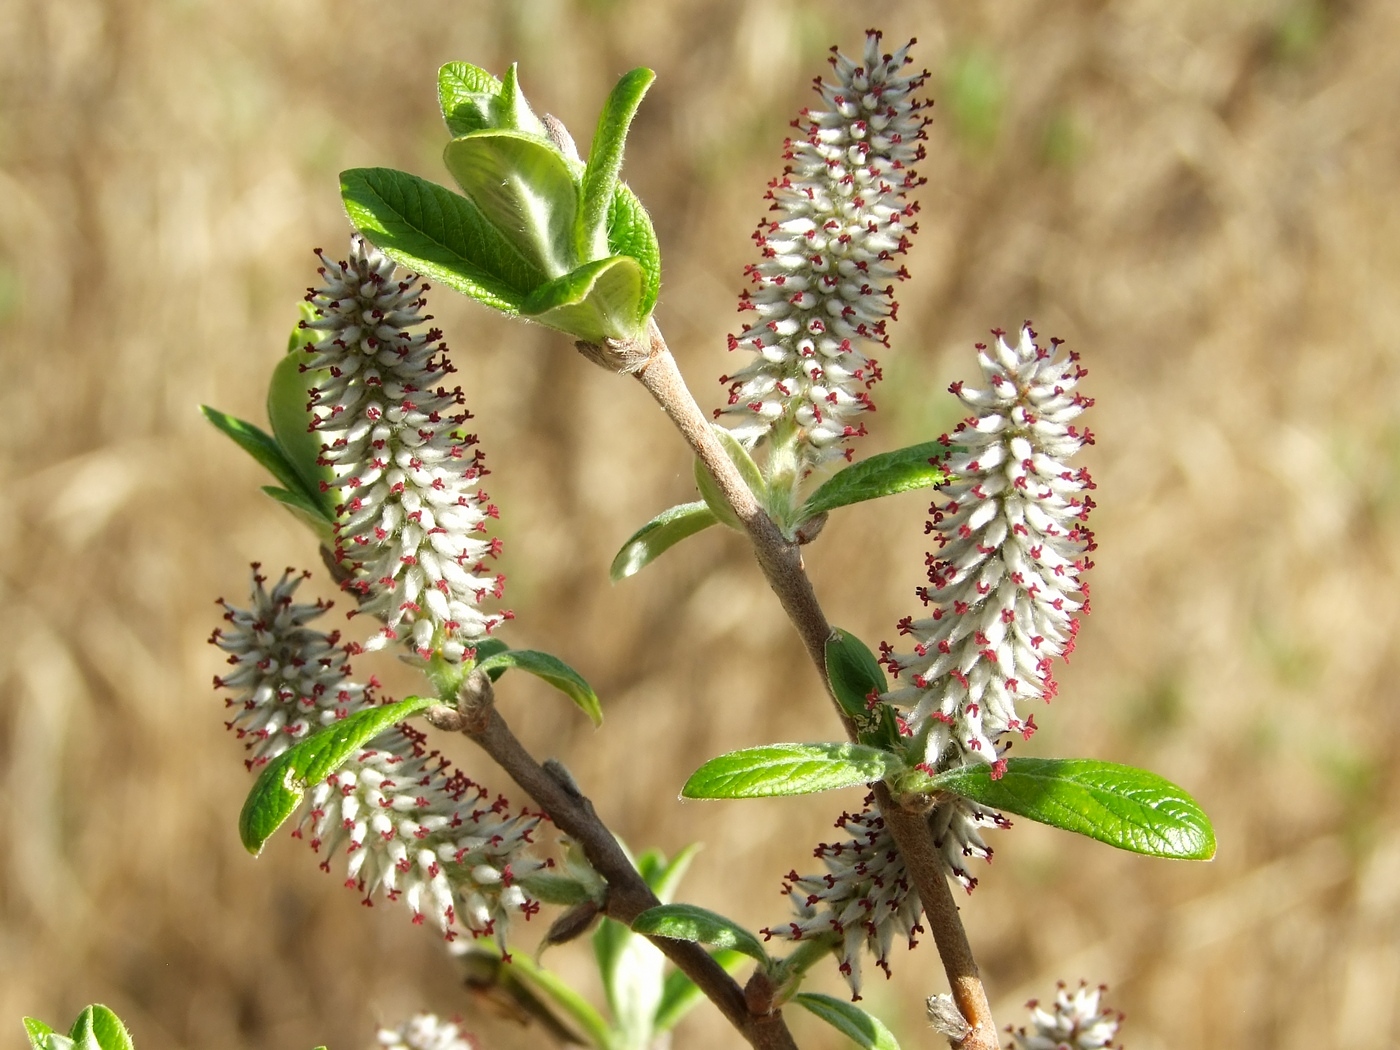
1200 197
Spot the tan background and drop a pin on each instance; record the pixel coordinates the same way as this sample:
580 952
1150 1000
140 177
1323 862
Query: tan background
1199 196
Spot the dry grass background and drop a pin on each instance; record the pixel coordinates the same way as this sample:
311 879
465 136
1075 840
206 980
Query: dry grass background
1200 197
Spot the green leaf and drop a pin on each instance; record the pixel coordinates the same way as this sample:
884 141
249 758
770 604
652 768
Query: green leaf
605 161
597 301
658 536
439 234
289 412
861 1028
258 443
490 647
789 769
748 470
522 186
666 877
283 781
854 674
511 111
680 995
1122 806
98 1028
631 233
554 671
42 1037
465 96
686 922
882 475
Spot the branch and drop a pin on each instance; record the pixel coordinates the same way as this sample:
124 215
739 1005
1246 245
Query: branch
781 562
628 893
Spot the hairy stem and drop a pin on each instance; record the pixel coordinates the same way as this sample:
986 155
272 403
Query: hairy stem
781 562
628 893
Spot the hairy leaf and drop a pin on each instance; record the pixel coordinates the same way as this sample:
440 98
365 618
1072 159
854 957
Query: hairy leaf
748 470
280 786
789 769
439 234
605 161
863 1029
554 671
686 922
882 475
465 96
98 1028
522 185
1120 805
631 233
595 302
658 536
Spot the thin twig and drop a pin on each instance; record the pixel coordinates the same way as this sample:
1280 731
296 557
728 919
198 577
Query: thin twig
781 562
628 893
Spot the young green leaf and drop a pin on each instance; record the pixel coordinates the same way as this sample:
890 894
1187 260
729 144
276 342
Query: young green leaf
882 475
42 1037
465 96
511 111
748 470
289 412
1122 806
855 675
680 995
789 769
522 185
258 443
861 1028
554 671
665 878
658 536
554 989
686 922
631 233
605 161
595 302
439 234
280 786
490 647
98 1028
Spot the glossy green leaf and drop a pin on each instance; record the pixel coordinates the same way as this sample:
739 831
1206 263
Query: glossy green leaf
98 1028
1120 805
861 1028
554 671
680 995
466 94
289 412
283 781
631 233
605 161
258 443
789 769
882 475
658 536
438 234
748 470
686 922
854 674
597 301
523 187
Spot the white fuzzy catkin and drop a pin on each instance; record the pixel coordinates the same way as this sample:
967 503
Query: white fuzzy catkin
823 291
412 827
411 520
1005 591
425 1032
1074 1021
